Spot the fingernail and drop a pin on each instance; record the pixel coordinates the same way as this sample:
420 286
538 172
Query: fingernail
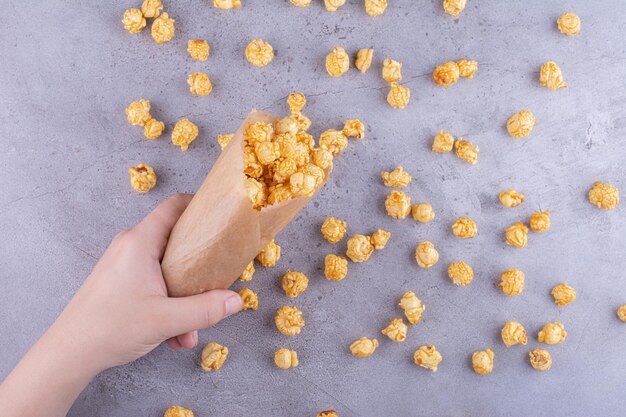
233 304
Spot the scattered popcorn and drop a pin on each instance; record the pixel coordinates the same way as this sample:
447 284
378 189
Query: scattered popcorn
359 248
552 333
454 7
375 7
423 212
517 235
289 320
184 133
398 205
294 283
482 362
396 178
396 331
392 70
269 255
464 228
447 74
337 62
511 282
142 178
163 29
604 196
199 84
363 60
569 24
427 357
328 413
551 76
443 142
520 124
334 141
247 273
296 102
301 3
138 112
540 221
380 238
412 306
333 5
227 4
178 411
224 140
511 198
198 49
540 359
259 53
460 273
563 294
513 333
213 356
285 358
466 151
426 255
467 68
153 129
151 8
398 96
354 128
333 229
621 313
364 347
250 299
133 20
335 267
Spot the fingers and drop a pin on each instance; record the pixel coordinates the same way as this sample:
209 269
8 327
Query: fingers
173 344
188 340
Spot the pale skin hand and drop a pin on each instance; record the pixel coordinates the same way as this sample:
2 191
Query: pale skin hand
120 313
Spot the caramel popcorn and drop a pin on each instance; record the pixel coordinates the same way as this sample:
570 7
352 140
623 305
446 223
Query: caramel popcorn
285 358
551 76
460 273
363 60
337 62
464 228
604 196
213 356
540 359
224 140
447 74
322 158
454 7
427 357
423 212
250 299
133 20
359 248
511 282
398 205
333 5
198 49
279 194
621 313
569 24
294 283
178 411
412 306
467 68
257 192
552 333
151 8
333 229
392 70
296 102
375 7
396 331
396 178
540 221
227 4
138 112
199 84
466 151
443 142
142 178
335 267
267 152
269 255
303 183
426 255
482 362
153 129
334 141
517 235
328 413
259 53
301 3
259 132
363 347
354 128
184 133
247 273
563 294
511 198
398 96
289 320
380 238
520 124
513 333
163 29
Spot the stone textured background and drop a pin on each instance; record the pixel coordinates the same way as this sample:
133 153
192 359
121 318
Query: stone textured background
68 70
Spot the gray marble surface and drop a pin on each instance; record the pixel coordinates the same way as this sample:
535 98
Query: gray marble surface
68 69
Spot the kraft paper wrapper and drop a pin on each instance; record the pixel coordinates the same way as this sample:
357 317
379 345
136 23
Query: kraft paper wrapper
220 233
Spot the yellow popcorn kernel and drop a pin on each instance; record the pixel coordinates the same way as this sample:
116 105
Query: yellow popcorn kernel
133 20
359 248
460 273
511 282
305 139
375 7
333 5
399 96
198 49
284 169
301 3
247 273
604 196
199 84
396 178
467 68
302 184
392 70
552 333
294 283
267 152
337 62
151 8
257 192
142 178
259 132
333 229
540 359
303 122
252 166
482 362
426 255
335 267
163 29
286 358
301 154
227 4
396 330
454 7
520 124
224 140
289 320
513 333
540 221
178 411
250 299
259 53
569 24
550 76
322 158
354 128
398 205
138 112
184 133
511 198
213 356
328 413
464 228
363 347
517 235
563 294
621 313
443 142
466 151
279 194
446 74
363 60
296 102
334 141
153 129
427 357
286 126
412 306
269 255
423 212
380 238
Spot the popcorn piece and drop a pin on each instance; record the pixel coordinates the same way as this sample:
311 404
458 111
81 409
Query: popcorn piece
213 356
334 141
333 5
224 140
257 192
621 313
396 178
375 7
133 20
296 102
364 347
259 132
153 129
199 84
360 248
423 212
513 333
142 178
322 158
227 4
563 294
259 53
460 273
250 299
540 221
247 273
184 133
604 196
399 96
285 358
337 62
482 362
302 183
354 128
511 282
138 112
551 76
151 8
427 357
412 306
454 7
380 238
198 49
426 255
466 151
269 255
396 331
464 228
328 413
520 124
517 235
301 3
552 333
443 142
569 24
392 70
335 267
447 74
363 60
467 68
163 29
540 359
178 411
289 320
511 198
294 283
267 152
398 205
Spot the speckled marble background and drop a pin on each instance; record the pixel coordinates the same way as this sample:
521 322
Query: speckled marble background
67 71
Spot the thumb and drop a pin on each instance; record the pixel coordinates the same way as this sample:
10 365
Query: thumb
200 311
